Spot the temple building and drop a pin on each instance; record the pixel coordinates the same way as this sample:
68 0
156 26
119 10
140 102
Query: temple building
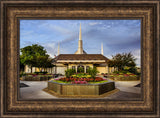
80 59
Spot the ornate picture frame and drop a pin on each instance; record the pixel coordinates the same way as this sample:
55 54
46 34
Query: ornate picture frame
13 11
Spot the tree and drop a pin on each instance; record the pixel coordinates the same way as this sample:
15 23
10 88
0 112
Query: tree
35 56
22 65
43 62
122 60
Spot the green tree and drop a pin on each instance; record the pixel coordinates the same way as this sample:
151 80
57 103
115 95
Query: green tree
35 56
22 65
122 60
43 62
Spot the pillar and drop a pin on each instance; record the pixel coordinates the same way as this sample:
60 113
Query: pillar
76 68
84 69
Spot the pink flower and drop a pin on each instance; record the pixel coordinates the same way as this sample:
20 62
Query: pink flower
126 75
79 82
76 82
57 79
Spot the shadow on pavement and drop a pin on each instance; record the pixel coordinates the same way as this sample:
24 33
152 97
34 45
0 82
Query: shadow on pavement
23 85
138 85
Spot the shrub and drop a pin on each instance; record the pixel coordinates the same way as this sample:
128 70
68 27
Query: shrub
31 78
116 72
22 74
36 77
133 70
93 72
69 72
123 77
80 69
45 72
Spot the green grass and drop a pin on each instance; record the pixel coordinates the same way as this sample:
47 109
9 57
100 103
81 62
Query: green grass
88 82
58 81
97 82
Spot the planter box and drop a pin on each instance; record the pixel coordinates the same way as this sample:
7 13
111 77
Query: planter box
28 78
125 78
81 89
37 78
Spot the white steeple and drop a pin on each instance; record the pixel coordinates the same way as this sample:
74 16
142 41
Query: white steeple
102 48
80 35
80 43
58 49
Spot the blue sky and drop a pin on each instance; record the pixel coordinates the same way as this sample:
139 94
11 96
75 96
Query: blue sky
117 36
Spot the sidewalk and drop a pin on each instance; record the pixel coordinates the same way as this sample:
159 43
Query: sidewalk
34 90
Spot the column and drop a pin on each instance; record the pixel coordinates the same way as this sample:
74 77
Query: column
76 68
84 69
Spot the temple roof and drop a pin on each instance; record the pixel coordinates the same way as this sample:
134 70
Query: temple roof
81 57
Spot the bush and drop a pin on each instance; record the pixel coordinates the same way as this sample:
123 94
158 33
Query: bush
69 72
45 72
80 70
22 74
93 72
116 72
124 77
36 77
120 72
133 70
31 78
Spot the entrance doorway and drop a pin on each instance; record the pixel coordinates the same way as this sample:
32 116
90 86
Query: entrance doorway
80 69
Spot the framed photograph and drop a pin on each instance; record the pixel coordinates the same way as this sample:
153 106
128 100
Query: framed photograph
80 58
53 64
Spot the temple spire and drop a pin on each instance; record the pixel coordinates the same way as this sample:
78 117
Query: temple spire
80 34
80 43
58 49
102 48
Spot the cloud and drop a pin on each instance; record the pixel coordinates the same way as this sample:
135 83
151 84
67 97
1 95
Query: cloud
51 48
137 55
117 36
56 28
94 23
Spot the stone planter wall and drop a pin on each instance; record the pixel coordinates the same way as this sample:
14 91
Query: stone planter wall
30 78
123 78
81 89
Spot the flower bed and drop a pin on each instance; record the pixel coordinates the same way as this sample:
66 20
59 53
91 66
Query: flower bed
73 80
123 77
80 84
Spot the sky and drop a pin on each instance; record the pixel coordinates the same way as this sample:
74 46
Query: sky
117 36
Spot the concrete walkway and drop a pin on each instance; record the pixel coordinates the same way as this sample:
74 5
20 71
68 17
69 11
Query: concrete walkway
127 90
34 91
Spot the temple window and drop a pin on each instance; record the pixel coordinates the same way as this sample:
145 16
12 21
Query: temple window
87 67
73 67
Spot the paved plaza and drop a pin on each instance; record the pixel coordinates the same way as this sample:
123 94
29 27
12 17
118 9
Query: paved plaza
34 90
